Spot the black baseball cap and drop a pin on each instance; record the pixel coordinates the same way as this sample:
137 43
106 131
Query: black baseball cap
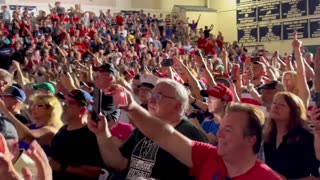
106 68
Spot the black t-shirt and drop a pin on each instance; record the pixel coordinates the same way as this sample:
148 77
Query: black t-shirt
75 148
22 119
147 159
293 160
206 33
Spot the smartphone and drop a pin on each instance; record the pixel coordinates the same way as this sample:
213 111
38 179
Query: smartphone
2 146
167 62
49 64
255 59
120 98
97 105
59 69
317 99
197 52
65 69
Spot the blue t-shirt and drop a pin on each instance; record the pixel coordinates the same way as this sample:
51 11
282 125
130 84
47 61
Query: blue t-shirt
210 126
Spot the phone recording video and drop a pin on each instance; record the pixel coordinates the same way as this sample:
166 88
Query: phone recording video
120 98
317 99
167 62
197 52
96 106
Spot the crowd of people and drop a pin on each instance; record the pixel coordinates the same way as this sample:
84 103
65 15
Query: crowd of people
138 96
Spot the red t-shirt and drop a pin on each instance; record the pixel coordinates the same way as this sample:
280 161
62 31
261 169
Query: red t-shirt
119 20
82 32
72 31
91 33
208 49
208 165
75 19
201 42
55 18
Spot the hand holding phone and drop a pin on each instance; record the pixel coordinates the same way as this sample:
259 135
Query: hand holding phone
167 62
118 94
317 99
120 98
2 145
97 105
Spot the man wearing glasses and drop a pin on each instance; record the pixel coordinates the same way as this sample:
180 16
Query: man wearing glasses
140 155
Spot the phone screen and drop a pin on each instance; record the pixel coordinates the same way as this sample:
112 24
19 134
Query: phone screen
317 99
2 148
167 62
120 98
97 105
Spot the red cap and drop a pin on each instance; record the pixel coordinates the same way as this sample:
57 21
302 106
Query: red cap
131 73
219 91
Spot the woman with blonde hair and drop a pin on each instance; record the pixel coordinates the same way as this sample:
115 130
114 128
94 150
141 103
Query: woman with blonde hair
288 143
296 82
46 110
289 79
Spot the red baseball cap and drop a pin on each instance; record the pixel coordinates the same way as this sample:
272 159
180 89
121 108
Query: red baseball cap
220 91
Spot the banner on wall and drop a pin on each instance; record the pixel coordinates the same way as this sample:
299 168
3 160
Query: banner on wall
293 8
245 1
22 8
301 26
314 28
269 11
270 32
246 14
247 34
314 7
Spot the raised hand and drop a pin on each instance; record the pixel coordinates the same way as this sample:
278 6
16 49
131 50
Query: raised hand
98 127
7 170
122 98
296 43
36 153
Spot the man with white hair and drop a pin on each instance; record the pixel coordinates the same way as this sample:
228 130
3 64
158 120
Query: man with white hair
140 155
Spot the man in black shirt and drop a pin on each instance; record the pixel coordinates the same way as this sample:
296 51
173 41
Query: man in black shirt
74 150
14 98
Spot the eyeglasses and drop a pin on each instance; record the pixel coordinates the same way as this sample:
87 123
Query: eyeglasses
158 96
38 105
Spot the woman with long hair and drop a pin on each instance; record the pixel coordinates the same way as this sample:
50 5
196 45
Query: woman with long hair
288 141
46 111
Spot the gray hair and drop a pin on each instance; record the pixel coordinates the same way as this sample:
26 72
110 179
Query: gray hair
180 93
